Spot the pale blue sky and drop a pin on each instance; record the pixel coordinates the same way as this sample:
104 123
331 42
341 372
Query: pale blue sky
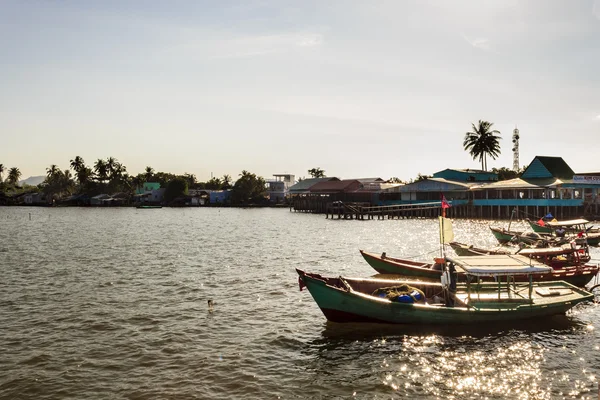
358 88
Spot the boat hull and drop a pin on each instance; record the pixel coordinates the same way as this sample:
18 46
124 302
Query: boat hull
343 306
539 228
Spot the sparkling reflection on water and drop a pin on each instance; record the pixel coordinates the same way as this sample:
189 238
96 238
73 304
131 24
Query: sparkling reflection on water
99 303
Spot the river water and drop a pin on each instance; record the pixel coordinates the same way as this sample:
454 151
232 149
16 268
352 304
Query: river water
112 303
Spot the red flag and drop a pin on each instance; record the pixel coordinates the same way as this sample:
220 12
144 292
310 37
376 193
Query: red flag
301 283
445 204
541 222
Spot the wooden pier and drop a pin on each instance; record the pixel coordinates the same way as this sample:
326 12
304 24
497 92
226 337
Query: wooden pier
366 211
362 211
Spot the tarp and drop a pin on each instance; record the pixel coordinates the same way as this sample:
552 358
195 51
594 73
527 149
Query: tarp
501 264
571 222
446 233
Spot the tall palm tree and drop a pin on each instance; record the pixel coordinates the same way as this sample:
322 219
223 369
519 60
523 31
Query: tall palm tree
84 175
77 164
52 171
226 181
111 164
101 170
482 141
149 172
13 175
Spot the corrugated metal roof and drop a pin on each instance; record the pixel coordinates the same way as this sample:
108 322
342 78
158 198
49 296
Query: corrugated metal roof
305 184
336 186
436 185
546 167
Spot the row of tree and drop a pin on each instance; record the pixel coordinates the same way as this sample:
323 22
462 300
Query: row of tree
111 176
13 174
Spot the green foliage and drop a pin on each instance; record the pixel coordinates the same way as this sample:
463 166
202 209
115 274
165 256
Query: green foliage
248 189
163 178
13 176
148 174
57 182
506 173
226 182
316 172
101 170
482 141
395 179
421 177
213 184
176 187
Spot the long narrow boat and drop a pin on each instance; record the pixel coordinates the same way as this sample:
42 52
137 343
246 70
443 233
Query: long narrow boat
462 249
530 238
575 228
556 257
435 303
579 275
147 206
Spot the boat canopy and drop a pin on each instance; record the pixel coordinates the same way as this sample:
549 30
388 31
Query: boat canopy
499 265
547 251
571 222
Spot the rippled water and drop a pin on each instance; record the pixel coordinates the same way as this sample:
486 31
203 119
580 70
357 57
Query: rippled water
112 303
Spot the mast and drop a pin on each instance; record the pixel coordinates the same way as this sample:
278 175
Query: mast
515 149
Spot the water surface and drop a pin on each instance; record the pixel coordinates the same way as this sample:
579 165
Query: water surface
112 303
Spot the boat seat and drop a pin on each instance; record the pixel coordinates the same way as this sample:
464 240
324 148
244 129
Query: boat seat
490 298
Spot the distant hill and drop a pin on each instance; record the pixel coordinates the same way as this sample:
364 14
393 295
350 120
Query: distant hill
33 180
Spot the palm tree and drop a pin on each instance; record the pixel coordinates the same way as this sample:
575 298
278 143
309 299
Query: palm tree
52 171
13 175
149 172
101 170
226 181
84 175
77 164
316 172
111 164
1 171
482 141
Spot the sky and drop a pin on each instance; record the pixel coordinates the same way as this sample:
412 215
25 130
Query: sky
357 88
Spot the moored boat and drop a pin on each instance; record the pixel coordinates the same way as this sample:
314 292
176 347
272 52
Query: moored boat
556 257
462 249
571 229
147 206
528 237
578 275
445 302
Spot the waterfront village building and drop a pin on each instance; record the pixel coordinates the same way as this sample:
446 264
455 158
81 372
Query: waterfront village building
314 194
150 192
278 188
548 185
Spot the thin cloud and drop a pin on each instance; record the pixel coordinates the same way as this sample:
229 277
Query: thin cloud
478 43
247 46
596 9
310 40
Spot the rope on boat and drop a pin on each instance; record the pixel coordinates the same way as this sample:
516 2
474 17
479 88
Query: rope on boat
421 255
354 253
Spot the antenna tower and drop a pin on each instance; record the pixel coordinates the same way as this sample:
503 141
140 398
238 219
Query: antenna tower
515 149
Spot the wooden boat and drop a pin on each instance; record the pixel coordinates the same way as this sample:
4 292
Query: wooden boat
462 249
344 299
578 275
147 206
556 257
569 229
528 237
